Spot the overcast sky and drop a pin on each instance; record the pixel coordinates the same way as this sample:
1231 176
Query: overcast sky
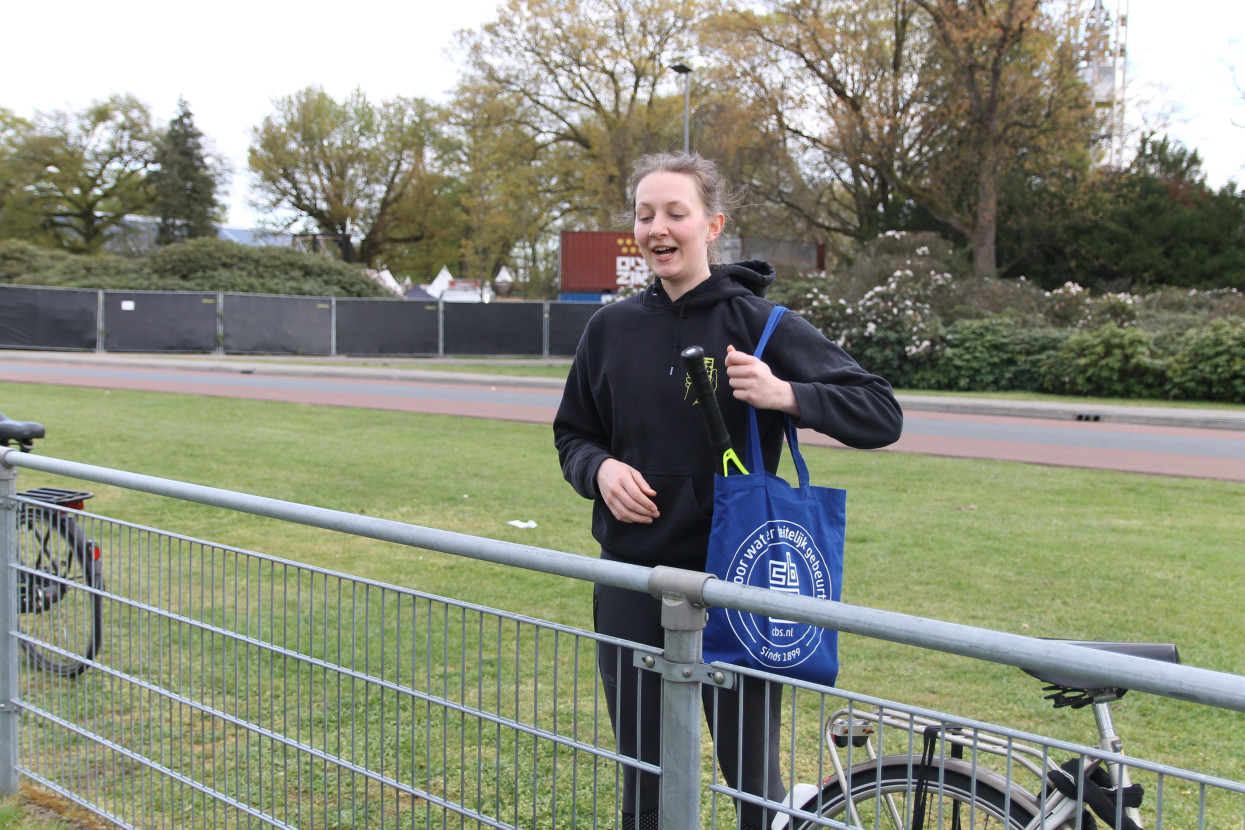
231 59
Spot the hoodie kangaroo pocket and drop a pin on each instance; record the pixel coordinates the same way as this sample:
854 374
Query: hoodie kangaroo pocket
678 536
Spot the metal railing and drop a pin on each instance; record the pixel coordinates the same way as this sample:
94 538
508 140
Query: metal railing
237 689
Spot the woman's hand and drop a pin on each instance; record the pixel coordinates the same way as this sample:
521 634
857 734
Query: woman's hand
625 492
753 383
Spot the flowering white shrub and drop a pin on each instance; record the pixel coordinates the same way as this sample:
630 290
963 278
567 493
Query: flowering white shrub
903 311
893 322
1073 306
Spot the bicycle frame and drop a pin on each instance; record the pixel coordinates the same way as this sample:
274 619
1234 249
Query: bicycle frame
854 728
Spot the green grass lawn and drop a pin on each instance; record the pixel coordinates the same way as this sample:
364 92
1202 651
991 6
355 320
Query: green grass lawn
1041 551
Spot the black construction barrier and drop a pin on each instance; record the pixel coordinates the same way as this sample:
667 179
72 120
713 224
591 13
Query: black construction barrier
255 323
566 325
159 321
38 317
48 318
516 328
398 327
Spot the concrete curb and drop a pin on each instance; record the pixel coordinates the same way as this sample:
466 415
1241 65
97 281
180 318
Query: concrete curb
401 368
409 369
1087 411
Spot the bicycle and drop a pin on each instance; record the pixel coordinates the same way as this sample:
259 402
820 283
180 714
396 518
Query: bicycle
932 784
59 575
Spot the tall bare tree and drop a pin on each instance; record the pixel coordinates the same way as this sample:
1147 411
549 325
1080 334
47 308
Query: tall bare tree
831 84
1006 74
594 79
923 100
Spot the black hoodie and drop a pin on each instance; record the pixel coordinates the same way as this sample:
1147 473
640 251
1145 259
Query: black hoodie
628 397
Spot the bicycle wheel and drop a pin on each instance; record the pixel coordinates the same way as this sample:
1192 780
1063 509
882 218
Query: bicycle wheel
58 612
885 795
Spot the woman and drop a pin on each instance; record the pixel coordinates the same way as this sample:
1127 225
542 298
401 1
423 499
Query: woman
629 438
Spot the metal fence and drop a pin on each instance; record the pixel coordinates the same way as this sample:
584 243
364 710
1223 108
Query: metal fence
34 317
229 688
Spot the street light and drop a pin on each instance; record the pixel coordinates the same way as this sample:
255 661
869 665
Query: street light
686 71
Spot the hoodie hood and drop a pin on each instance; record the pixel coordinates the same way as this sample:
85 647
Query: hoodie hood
736 279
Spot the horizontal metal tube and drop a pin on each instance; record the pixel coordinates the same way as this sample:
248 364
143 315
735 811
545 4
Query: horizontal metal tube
1167 679
1181 682
621 575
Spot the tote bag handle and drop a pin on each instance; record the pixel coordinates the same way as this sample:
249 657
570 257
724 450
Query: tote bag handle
755 460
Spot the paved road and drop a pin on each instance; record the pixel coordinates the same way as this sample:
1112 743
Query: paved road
1168 441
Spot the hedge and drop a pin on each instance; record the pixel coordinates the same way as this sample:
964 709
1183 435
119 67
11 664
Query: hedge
193 265
997 354
1209 363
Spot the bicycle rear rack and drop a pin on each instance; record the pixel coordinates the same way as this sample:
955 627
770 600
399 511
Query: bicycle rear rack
862 730
58 495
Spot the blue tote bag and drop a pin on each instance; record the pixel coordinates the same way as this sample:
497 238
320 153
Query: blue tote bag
768 534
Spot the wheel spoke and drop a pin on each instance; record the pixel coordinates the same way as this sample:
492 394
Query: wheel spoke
957 795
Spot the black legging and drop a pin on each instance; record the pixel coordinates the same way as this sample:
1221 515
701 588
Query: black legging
735 716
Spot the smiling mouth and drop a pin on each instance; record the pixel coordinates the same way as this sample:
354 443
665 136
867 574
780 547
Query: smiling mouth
664 250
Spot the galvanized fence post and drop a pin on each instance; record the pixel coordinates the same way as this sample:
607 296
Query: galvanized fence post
220 323
683 616
544 329
333 326
440 328
8 627
101 322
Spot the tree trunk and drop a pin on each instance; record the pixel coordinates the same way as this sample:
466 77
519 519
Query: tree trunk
985 257
346 246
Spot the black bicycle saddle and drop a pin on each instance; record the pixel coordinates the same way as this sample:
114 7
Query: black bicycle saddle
1074 691
20 431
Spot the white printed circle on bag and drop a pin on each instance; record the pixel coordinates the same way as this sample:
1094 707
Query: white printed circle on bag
781 556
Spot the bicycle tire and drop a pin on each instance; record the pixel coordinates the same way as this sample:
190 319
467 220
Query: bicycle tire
59 596
957 795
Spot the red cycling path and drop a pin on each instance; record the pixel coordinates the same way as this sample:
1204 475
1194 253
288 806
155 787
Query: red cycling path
1151 440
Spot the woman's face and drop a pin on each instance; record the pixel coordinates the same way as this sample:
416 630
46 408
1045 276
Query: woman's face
673 230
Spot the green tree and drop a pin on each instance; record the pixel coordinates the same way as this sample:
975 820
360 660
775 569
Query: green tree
365 174
595 86
1155 223
1041 224
183 182
17 219
1169 227
511 197
79 174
